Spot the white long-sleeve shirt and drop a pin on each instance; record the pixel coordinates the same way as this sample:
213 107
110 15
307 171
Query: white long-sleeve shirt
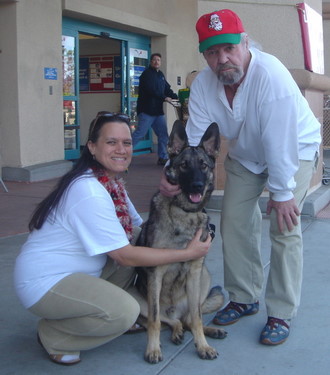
270 124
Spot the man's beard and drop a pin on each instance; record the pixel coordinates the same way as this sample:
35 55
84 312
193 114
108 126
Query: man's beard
229 77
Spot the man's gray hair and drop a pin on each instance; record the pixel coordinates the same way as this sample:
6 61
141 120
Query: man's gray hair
252 43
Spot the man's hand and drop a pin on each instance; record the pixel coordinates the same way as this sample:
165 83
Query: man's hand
168 189
286 211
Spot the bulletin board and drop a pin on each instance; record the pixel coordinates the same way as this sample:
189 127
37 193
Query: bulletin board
100 73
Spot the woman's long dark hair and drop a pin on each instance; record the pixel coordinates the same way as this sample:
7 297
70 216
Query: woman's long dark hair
85 162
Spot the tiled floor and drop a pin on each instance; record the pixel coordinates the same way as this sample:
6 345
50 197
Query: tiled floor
17 205
142 181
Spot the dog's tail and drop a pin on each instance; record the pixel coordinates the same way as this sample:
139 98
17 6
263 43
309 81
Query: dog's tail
214 301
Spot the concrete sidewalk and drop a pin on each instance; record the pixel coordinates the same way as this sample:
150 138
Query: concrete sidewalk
306 352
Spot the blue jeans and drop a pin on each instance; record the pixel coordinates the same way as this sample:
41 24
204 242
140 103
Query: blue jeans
158 125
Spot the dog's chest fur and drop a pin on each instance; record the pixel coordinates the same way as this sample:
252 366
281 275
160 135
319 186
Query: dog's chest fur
175 226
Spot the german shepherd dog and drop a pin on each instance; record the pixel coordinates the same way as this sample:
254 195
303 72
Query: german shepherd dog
178 294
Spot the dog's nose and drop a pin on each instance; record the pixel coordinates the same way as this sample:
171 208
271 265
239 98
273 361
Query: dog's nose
197 186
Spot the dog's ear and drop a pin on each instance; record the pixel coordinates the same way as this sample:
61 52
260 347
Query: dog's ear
211 140
178 139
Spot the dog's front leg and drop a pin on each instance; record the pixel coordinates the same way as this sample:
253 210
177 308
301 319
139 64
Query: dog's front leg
204 350
153 352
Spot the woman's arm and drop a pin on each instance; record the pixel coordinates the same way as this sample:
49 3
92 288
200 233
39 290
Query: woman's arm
141 256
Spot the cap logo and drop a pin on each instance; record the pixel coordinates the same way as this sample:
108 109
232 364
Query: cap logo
215 22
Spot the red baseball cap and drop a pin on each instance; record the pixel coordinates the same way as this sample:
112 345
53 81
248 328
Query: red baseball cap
223 26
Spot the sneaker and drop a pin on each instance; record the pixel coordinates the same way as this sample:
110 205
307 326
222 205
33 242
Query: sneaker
234 311
275 332
161 161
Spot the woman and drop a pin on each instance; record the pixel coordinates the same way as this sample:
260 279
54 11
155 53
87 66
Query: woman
78 260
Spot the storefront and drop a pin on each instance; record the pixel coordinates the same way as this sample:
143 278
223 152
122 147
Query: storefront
101 69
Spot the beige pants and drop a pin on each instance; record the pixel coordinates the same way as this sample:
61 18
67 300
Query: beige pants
82 312
241 225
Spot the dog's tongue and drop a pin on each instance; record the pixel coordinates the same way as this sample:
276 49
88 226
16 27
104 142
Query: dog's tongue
196 198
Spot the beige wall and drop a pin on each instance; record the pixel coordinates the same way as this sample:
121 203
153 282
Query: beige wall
31 119
273 24
9 117
31 126
326 37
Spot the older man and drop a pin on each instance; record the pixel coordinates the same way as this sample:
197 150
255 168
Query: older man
273 143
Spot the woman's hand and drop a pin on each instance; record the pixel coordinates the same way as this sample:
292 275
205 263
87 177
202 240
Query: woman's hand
141 256
168 189
197 247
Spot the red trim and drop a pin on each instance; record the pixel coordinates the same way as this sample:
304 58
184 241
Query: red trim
305 35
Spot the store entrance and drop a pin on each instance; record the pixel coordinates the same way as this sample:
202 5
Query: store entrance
100 76
100 73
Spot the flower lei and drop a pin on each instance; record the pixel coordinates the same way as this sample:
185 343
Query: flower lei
116 189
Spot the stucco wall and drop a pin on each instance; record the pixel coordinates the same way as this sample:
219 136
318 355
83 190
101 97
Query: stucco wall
326 39
32 123
272 24
9 119
41 119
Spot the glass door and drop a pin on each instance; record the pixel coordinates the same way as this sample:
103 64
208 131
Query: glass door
70 96
135 51
138 61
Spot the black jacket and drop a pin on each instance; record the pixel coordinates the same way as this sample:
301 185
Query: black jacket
153 89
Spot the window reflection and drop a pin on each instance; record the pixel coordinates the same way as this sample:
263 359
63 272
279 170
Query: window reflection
68 65
70 139
69 112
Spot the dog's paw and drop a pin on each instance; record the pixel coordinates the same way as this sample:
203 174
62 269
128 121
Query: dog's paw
154 356
215 333
207 352
177 337
177 333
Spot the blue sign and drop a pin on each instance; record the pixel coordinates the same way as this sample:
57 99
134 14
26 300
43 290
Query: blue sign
84 74
50 73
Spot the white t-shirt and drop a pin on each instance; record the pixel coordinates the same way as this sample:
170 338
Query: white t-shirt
76 239
270 125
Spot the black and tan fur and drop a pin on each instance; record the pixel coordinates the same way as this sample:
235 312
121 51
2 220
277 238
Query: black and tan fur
178 294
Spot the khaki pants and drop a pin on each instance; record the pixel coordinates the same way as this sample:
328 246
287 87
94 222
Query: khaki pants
82 312
241 225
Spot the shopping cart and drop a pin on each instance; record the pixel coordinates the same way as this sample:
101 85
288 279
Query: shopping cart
181 111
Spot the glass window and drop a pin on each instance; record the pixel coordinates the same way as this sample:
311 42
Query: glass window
68 65
69 112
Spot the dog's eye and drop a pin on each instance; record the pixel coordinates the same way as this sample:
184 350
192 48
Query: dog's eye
203 165
183 165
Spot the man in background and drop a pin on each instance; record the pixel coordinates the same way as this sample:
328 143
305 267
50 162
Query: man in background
154 90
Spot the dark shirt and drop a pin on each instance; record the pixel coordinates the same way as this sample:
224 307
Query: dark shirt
153 89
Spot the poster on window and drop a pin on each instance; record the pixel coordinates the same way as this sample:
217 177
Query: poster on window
312 38
100 73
